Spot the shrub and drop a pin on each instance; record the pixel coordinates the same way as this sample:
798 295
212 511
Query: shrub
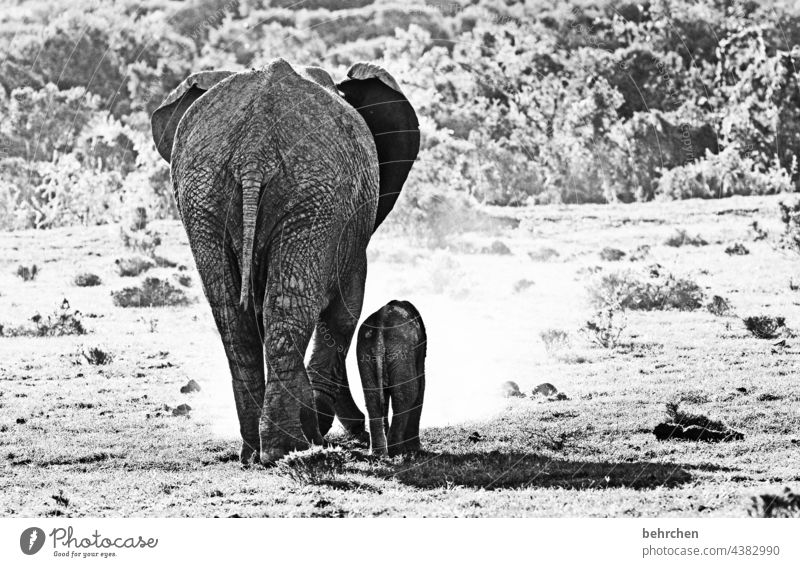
315 466
785 505
522 285
27 273
765 326
87 279
64 321
605 328
682 238
627 291
719 306
555 340
722 175
133 266
737 249
543 254
97 356
608 254
640 253
153 292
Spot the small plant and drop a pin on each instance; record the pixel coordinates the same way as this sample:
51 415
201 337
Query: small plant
315 466
544 254
183 279
785 505
133 266
27 273
522 285
150 322
719 306
765 326
63 321
605 328
498 247
737 249
87 279
608 254
97 356
793 286
682 238
152 292
555 340
639 253
758 232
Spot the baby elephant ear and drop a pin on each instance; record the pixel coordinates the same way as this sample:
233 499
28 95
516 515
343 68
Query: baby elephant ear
377 97
166 118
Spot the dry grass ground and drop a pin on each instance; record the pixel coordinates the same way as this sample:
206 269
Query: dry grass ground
81 439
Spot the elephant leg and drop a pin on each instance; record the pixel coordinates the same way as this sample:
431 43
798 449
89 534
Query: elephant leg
377 408
412 443
240 337
405 393
334 334
292 303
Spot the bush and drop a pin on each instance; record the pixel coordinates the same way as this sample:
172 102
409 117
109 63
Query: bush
64 321
765 326
87 279
555 340
97 356
722 175
719 306
315 466
608 254
27 273
682 238
153 292
737 249
784 505
605 328
133 266
625 290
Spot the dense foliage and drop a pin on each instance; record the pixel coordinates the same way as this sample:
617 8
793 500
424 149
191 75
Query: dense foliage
536 101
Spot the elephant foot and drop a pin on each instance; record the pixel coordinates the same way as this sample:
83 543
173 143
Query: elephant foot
289 421
248 454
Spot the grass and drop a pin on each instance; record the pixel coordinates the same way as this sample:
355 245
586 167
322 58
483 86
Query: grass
99 436
682 238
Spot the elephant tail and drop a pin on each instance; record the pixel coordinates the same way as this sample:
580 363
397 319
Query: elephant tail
251 193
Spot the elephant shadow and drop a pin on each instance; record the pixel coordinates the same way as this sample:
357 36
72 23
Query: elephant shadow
499 469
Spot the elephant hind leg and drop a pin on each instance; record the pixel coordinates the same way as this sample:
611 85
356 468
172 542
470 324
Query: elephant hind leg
240 336
412 443
374 396
295 295
332 340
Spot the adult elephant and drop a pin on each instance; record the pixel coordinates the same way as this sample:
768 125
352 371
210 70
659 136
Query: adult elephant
281 177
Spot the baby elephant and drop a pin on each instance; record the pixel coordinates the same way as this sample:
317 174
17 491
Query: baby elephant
391 360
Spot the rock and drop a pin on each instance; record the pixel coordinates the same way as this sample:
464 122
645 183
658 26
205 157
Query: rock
510 389
182 409
190 387
546 389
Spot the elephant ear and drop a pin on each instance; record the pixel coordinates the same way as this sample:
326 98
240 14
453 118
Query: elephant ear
166 118
377 97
